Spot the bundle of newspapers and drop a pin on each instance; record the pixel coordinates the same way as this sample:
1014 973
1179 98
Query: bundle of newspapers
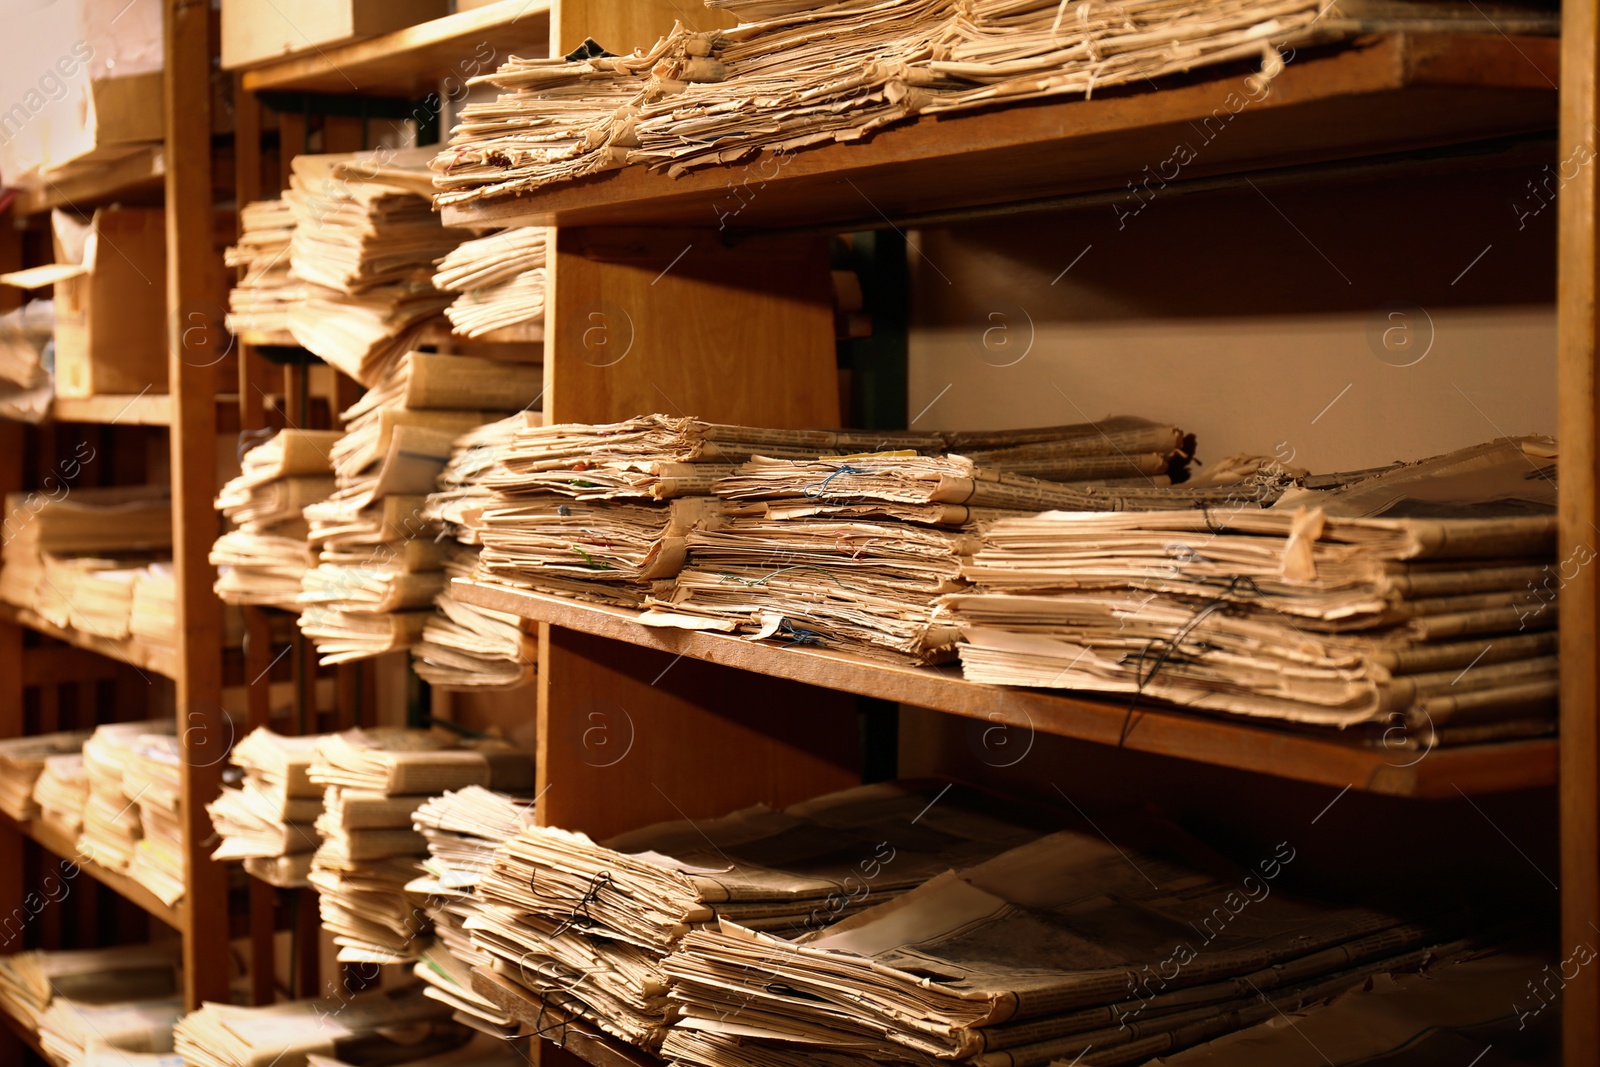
465 646
130 819
578 930
463 829
259 305
389 1026
269 819
374 781
62 792
805 73
365 243
74 1033
382 562
31 981
264 560
22 761
1417 606
1105 945
501 282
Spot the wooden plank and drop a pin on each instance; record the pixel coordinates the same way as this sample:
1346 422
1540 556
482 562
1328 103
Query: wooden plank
145 409
136 654
1578 421
191 267
1169 732
64 848
413 61
134 178
624 25
1386 94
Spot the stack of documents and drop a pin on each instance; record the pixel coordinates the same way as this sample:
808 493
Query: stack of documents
378 1025
375 780
1418 603
270 816
1104 949
31 981
264 561
111 824
153 778
584 927
153 620
258 306
25 385
69 1029
462 828
22 761
62 792
382 560
365 242
797 75
500 279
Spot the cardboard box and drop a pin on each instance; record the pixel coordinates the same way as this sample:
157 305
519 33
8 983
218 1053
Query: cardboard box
255 31
110 296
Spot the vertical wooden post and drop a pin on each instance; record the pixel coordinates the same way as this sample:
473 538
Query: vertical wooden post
1579 421
192 380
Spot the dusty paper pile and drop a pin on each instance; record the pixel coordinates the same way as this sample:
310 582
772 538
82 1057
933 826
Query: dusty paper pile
382 560
22 761
500 279
1071 948
463 828
62 792
69 1029
583 927
289 1033
152 776
112 826
801 74
259 305
31 981
264 561
374 781
271 815
1419 602
365 241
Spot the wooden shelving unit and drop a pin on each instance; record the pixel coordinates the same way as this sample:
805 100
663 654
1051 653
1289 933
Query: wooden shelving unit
65 848
136 177
143 409
137 654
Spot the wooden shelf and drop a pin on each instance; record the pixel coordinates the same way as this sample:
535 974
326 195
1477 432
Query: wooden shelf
414 61
1157 730
137 654
136 176
1376 95
144 409
53 840
26 1034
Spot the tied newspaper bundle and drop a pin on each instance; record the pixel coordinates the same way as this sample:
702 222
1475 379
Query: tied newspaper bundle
853 552
268 819
1416 606
264 561
465 646
365 243
382 562
798 74
579 930
258 307
31 981
375 780
391 1026
1072 948
463 829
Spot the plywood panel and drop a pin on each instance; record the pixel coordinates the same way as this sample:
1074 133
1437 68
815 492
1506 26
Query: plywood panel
624 25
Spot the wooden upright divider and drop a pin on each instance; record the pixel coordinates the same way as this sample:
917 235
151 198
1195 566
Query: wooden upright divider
203 729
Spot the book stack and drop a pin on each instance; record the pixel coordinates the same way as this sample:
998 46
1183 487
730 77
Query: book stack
268 821
501 282
31 981
111 817
62 792
382 562
1417 604
68 1030
792 76
365 242
581 929
1105 945
22 762
264 561
462 829
375 780
258 306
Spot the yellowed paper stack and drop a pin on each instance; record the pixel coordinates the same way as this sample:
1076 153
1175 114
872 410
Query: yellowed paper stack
111 818
22 761
69 1029
259 305
62 792
263 561
501 282
31 981
271 814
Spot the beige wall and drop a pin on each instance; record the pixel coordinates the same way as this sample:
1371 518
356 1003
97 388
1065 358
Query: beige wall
1274 321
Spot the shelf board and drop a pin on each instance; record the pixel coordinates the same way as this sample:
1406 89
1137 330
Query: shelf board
53 840
1158 730
138 654
144 409
137 176
1380 94
414 61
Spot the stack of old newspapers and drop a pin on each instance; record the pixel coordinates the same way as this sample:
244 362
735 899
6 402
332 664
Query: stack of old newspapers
259 305
268 820
1418 604
264 560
